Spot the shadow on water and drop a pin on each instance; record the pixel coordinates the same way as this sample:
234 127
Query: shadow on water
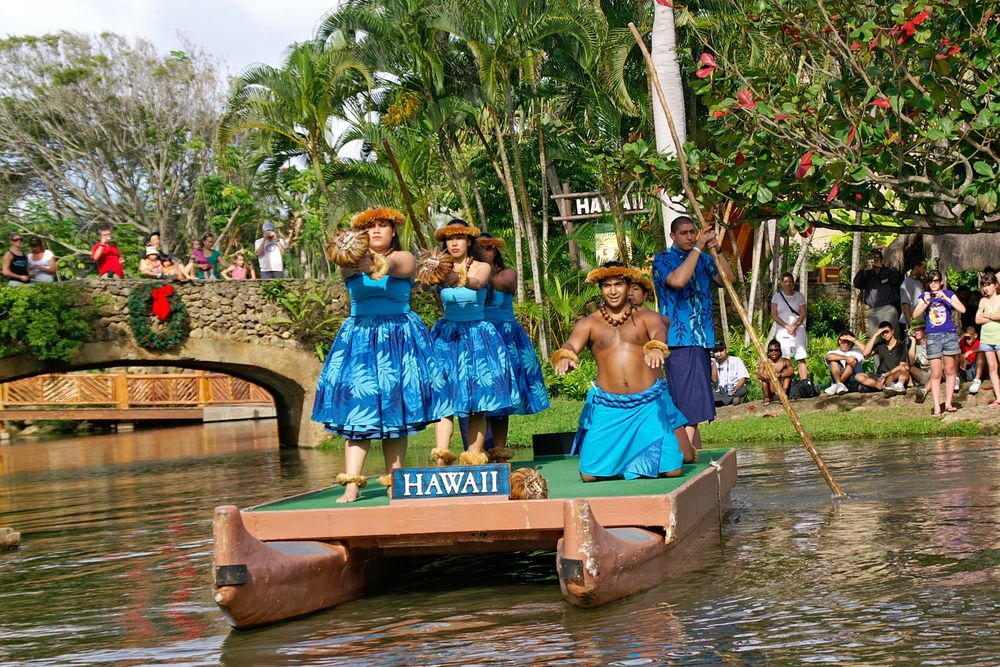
117 533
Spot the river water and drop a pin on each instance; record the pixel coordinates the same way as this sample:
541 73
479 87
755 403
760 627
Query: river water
115 567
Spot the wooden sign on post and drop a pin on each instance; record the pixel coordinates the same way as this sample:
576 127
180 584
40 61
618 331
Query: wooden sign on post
590 205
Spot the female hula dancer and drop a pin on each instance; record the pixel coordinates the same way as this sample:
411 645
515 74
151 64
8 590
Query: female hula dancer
381 379
469 349
521 353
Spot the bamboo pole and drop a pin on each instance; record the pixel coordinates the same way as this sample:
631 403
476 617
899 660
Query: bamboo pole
696 209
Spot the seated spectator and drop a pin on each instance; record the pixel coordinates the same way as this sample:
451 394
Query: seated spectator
150 265
892 373
41 262
782 368
172 270
845 362
730 375
107 256
916 356
239 269
972 360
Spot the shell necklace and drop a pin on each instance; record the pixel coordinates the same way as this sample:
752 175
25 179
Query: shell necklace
616 321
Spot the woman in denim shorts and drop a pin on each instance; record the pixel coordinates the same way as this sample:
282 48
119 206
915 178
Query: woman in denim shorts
988 315
942 338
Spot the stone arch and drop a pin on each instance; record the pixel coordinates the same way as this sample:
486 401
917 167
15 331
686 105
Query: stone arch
288 374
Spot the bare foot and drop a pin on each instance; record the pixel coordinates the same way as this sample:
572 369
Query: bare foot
351 492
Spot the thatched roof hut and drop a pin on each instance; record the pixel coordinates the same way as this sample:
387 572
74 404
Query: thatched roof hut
952 251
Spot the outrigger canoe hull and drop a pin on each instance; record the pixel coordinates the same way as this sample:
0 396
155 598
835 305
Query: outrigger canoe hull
276 562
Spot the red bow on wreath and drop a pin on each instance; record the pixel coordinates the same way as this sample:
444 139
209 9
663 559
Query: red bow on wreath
161 307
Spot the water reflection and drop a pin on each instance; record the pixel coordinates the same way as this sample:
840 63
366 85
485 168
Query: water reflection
117 554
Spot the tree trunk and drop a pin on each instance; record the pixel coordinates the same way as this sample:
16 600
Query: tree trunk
804 268
723 315
449 171
855 262
508 186
668 72
754 275
557 187
529 232
467 174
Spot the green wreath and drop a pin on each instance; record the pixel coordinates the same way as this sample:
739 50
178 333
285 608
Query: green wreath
170 332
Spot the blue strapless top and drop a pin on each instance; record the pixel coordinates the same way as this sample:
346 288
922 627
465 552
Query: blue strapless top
500 307
389 296
462 304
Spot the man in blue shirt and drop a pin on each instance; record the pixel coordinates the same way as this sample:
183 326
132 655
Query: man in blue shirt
684 278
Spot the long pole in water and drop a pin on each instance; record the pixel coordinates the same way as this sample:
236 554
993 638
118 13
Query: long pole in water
733 296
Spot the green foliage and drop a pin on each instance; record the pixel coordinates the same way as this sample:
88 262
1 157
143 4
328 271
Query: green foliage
887 109
425 304
308 314
151 333
966 279
827 317
273 290
47 321
574 384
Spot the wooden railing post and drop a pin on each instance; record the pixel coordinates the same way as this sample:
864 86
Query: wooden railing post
204 389
120 390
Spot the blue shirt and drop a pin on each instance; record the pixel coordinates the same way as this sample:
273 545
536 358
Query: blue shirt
689 308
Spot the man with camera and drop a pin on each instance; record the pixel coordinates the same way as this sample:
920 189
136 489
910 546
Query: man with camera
880 287
270 249
730 376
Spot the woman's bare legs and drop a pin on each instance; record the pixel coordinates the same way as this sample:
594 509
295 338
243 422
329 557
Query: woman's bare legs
355 452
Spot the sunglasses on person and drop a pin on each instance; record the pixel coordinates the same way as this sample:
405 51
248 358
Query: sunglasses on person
16 239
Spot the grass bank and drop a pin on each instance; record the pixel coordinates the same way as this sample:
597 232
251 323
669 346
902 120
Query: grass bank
868 424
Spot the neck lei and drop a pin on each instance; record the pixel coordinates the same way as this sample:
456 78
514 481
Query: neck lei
616 321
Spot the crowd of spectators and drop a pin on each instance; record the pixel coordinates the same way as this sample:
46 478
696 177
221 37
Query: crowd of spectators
204 262
922 336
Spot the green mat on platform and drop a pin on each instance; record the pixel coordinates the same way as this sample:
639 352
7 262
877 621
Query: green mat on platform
561 472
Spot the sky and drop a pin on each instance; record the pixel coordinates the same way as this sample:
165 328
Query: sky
237 33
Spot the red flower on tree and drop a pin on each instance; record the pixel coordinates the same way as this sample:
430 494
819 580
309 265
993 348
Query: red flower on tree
805 165
708 66
745 98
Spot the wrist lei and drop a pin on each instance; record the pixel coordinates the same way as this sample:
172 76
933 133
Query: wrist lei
657 345
563 353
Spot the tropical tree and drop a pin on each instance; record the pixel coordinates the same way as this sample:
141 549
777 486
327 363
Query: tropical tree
102 130
292 109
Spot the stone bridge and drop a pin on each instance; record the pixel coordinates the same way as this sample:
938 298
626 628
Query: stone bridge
231 331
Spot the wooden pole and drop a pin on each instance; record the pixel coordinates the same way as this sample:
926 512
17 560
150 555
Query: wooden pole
696 209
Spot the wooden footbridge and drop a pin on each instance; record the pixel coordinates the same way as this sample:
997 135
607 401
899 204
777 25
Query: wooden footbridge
198 396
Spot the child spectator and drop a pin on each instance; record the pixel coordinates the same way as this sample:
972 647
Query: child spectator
730 375
988 315
782 368
199 265
150 265
107 256
41 262
916 356
844 363
942 338
892 373
239 269
971 361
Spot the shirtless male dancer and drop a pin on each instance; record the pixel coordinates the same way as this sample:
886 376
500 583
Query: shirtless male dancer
629 426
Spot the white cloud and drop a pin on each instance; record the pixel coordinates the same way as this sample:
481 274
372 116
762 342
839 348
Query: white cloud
239 32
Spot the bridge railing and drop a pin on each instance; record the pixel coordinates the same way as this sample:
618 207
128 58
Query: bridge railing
124 390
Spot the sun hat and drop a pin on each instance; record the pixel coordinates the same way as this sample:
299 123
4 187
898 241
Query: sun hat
152 250
268 227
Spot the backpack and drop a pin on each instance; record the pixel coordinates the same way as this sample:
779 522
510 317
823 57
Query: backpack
802 389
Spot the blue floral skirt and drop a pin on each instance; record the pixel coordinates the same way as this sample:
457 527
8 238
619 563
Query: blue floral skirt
477 371
527 370
381 379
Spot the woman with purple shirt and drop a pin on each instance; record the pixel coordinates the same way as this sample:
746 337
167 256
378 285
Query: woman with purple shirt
942 338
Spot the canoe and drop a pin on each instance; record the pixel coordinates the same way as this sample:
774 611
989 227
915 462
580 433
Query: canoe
297 555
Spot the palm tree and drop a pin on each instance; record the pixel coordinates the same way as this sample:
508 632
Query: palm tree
292 108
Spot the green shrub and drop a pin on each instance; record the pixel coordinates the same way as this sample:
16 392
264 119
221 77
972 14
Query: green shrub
47 321
574 384
827 317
